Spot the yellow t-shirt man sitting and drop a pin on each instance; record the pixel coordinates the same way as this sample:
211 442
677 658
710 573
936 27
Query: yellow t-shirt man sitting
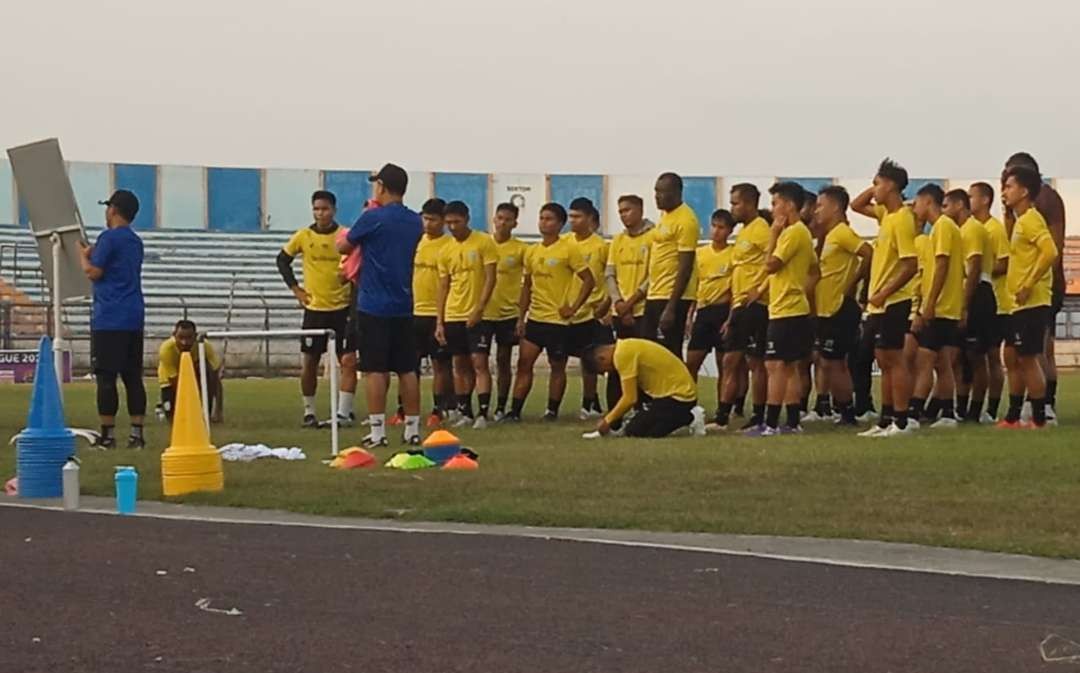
183 341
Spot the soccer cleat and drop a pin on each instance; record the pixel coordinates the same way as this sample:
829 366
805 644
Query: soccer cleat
413 440
510 418
716 427
944 422
595 434
309 421
762 431
697 425
987 419
136 443
346 421
788 430
814 417
370 442
498 415
463 422
914 424
480 423
434 420
1006 424
867 416
588 414
895 430
549 417
1051 416
753 430
873 431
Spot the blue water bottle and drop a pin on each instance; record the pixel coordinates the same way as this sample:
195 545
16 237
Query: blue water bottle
127 486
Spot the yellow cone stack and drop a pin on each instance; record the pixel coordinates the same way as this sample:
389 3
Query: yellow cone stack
190 464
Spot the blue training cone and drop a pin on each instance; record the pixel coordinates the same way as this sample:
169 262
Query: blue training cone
44 446
46 416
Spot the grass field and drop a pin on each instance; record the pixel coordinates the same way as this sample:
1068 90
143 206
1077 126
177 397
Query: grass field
973 487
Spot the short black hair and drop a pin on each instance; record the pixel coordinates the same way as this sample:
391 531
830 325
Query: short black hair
556 209
725 216
890 170
323 195
673 178
961 196
1027 177
632 198
185 324
435 206
986 190
934 191
508 207
584 205
838 195
748 191
765 214
457 208
1023 159
790 191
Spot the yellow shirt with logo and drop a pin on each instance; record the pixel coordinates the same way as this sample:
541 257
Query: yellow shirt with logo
168 367
977 242
551 270
594 250
839 266
425 281
999 243
508 275
655 369
464 262
714 271
320 267
895 241
748 259
945 240
630 257
677 231
1030 234
787 287
915 284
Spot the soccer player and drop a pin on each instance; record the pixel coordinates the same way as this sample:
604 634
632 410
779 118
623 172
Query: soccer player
936 328
425 286
845 260
648 366
500 317
713 272
183 341
790 262
890 295
745 330
671 266
586 329
982 198
627 272
1030 280
466 283
324 298
114 266
388 236
546 308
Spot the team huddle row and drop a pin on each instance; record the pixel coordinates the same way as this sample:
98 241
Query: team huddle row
941 286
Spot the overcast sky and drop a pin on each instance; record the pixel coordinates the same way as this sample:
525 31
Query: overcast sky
712 87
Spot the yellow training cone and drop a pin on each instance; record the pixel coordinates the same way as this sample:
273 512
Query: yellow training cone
190 464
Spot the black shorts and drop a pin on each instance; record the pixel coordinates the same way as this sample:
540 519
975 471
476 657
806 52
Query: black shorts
982 316
117 352
502 332
464 340
1057 301
631 331
748 330
1027 329
705 334
939 333
387 344
999 330
673 338
585 335
548 337
661 417
891 327
424 337
837 335
336 320
789 339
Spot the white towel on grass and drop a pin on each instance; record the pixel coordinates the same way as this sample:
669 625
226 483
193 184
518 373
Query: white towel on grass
245 453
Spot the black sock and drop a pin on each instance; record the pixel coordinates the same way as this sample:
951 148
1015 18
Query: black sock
974 410
886 417
1016 403
901 419
723 414
793 413
591 403
464 405
804 403
107 431
137 431
759 414
932 410
824 404
1051 392
917 407
500 406
992 406
516 406
1038 412
947 410
962 402
772 416
847 412
740 405
485 403
553 406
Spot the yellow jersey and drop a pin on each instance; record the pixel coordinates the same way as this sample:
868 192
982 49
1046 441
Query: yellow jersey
1030 236
508 274
168 367
594 250
977 242
915 284
839 266
551 270
714 271
653 369
676 232
945 240
748 259
787 287
630 257
999 243
464 262
895 241
425 280
321 262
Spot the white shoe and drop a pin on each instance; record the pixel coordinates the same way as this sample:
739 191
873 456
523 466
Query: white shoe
1025 412
462 421
867 416
944 422
913 424
894 431
480 423
497 417
595 434
811 417
697 426
588 414
874 431
715 427
1051 416
987 419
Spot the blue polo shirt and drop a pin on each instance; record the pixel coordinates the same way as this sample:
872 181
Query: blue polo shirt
388 237
118 297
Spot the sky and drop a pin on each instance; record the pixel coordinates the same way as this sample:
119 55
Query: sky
706 87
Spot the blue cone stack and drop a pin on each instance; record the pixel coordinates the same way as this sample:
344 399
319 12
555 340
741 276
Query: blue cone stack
45 445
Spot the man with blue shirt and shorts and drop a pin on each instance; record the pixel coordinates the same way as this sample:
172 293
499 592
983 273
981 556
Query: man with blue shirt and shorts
114 265
388 236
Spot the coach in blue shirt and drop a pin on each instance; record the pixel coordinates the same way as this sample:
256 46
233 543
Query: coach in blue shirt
387 237
114 265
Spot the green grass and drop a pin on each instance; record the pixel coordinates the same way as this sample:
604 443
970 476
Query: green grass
974 487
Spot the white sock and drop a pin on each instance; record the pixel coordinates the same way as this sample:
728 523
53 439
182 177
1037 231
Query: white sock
412 426
309 405
377 424
345 404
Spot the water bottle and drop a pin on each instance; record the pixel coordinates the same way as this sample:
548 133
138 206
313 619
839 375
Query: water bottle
71 483
127 485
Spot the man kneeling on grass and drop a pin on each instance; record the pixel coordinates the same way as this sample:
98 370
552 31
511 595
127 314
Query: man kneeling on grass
652 368
183 341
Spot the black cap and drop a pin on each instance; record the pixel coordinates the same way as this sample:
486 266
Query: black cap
393 177
125 203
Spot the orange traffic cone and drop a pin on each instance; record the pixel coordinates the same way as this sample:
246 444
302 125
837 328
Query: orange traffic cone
461 462
190 464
